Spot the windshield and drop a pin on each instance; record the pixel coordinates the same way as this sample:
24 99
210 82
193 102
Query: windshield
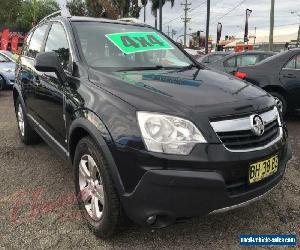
3 58
118 47
8 54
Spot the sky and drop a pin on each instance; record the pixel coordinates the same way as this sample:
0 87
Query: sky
231 13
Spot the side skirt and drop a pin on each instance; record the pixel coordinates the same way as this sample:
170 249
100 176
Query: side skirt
49 139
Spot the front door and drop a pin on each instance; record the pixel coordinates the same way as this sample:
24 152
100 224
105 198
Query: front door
290 78
52 90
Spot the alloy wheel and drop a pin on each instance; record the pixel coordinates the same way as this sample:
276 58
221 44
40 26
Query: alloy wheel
21 120
91 187
279 104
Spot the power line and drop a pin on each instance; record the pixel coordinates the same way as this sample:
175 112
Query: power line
234 8
196 7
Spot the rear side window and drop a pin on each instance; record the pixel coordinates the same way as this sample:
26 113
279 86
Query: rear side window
36 41
214 58
57 42
245 60
3 58
230 62
294 63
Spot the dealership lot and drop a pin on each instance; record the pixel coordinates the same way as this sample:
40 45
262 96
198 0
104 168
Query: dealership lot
38 208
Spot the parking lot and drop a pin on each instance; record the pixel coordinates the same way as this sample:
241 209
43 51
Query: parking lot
38 209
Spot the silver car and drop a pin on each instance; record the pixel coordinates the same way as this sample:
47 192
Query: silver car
7 69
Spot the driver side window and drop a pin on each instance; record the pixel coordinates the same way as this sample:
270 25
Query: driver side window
57 42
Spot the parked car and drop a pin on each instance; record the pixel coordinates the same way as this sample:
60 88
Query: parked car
213 57
231 62
7 70
194 53
149 132
280 76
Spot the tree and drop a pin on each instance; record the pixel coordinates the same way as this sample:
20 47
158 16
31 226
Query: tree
144 4
105 8
155 7
32 11
77 7
9 11
95 9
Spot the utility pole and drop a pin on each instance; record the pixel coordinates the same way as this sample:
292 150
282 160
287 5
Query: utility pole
207 26
254 35
185 20
271 25
168 31
173 33
298 38
160 15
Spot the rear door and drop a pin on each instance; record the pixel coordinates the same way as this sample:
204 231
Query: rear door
290 78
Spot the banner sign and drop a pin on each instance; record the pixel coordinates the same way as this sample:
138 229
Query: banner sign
14 43
4 39
133 42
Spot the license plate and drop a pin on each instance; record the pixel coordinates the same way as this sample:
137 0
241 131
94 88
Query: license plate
263 169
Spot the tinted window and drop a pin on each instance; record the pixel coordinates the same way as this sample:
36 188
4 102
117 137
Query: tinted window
298 62
294 63
26 44
245 60
36 41
3 58
117 47
57 42
291 64
214 58
230 62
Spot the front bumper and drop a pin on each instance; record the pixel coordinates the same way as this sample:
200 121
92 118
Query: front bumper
171 194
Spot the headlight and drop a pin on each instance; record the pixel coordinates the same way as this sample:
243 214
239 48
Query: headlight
8 69
168 134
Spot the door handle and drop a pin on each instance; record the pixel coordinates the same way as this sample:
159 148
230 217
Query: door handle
289 76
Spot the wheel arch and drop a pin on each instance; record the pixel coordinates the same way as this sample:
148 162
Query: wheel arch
275 88
91 125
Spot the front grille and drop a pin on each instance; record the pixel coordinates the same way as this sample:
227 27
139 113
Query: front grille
236 140
237 134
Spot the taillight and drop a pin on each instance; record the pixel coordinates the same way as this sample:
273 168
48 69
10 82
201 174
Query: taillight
240 74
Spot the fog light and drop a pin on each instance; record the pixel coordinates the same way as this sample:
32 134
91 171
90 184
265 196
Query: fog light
151 219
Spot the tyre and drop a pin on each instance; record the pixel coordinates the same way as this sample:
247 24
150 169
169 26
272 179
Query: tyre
2 83
27 134
280 101
97 197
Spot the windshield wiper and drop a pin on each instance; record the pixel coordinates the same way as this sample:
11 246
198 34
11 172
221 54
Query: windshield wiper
192 65
156 67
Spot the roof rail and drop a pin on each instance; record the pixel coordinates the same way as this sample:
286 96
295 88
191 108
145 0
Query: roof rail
65 12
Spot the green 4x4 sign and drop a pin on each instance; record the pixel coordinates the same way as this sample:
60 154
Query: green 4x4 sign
132 42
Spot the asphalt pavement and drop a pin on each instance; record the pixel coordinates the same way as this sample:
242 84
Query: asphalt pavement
38 208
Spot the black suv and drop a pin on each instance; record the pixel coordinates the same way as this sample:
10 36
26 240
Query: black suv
150 134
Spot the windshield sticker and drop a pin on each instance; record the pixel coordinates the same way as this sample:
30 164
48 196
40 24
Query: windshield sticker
133 42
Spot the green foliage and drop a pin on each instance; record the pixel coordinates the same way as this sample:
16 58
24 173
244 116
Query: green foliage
155 4
77 7
93 8
24 14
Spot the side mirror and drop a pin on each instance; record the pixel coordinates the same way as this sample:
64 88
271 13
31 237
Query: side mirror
49 62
